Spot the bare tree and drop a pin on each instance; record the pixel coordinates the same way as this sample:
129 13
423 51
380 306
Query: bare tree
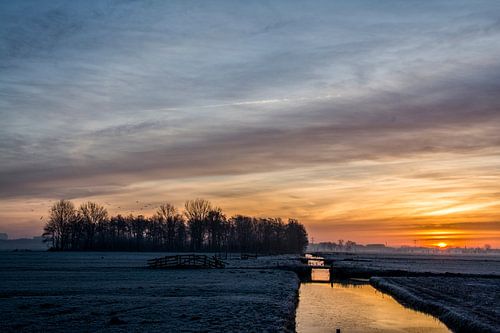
196 212
216 226
166 211
173 224
197 209
244 226
92 217
207 229
296 236
61 215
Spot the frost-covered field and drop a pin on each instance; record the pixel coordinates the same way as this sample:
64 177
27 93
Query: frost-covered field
41 291
464 304
466 264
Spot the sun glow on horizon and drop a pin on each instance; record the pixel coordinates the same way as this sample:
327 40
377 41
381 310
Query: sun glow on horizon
442 245
404 155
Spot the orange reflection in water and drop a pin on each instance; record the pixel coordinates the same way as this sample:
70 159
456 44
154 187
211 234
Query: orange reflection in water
320 274
323 308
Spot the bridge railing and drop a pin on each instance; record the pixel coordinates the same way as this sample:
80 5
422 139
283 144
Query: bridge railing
186 261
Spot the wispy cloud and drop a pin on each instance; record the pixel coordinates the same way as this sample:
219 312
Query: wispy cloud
264 102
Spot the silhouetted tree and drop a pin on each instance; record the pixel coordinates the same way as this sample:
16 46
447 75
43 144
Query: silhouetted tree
58 229
216 227
196 212
138 227
92 219
350 245
244 231
296 236
206 229
170 221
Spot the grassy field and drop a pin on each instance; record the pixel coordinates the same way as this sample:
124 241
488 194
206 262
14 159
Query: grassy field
43 291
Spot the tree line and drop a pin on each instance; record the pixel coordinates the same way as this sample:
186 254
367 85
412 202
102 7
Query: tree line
199 227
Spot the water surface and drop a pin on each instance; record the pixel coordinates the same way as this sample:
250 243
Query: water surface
324 307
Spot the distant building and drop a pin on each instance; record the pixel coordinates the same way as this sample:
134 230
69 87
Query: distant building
4 236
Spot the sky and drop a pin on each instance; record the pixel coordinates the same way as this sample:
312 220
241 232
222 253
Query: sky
374 121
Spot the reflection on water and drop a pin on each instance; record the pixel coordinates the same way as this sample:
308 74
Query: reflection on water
320 274
357 308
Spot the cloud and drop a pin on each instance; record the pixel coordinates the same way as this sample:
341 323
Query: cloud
428 118
98 96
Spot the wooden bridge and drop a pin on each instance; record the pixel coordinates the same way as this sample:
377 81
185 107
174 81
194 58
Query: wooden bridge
186 261
246 256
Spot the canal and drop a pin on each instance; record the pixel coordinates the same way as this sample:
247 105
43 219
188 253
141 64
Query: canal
355 306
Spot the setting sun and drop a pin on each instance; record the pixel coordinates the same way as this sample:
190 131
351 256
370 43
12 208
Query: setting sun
281 166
